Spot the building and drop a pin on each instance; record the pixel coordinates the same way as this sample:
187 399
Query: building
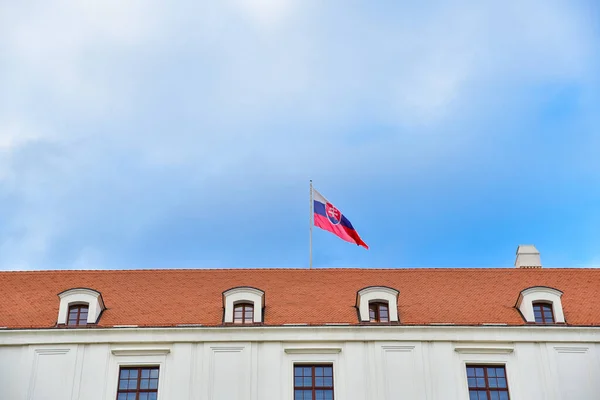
524 333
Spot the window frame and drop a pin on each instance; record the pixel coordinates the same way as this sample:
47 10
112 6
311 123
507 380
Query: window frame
138 390
78 322
543 305
313 388
488 390
375 306
245 306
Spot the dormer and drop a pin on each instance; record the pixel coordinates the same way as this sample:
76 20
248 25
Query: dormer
243 305
377 304
541 305
80 307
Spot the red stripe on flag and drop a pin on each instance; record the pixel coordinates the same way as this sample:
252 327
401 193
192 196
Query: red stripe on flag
347 234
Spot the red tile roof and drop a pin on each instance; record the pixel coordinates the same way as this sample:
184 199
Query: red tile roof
319 296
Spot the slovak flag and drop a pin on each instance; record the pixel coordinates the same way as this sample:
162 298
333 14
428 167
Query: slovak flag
329 218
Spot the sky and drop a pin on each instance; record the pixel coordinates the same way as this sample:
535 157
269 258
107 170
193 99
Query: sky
183 134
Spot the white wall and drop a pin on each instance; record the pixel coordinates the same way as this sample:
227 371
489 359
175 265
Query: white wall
369 364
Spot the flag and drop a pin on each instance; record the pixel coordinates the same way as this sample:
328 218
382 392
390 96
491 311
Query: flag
329 218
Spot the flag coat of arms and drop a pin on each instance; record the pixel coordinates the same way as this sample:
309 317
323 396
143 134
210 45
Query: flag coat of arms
326 216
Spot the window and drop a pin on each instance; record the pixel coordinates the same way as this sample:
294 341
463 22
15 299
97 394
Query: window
378 312
543 313
78 315
138 383
487 382
243 305
377 304
541 305
243 313
313 382
79 307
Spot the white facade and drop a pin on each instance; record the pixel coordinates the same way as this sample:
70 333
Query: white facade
256 363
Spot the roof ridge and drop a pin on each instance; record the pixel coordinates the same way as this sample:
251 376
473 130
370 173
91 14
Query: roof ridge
329 269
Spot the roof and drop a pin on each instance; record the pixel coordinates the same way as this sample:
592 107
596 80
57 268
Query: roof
314 297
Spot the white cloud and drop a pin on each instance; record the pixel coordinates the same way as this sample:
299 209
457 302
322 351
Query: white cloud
13 134
268 14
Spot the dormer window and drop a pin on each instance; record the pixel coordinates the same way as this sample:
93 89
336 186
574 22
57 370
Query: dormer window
541 305
243 313
79 307
378 312
243 305
78 315
377 304
543 313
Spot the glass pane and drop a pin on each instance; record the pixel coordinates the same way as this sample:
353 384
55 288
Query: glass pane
319 371
472 395
328 382
152 396
132 383
153 383
472 382
124 373
144 383
479 372
481 382
297 381
483 396
146 373
492 382
491 372
470 371
502 383
131 396
307 371
143 396
499 371
494 396
123 385
298 371
133 373
308 382
298 395
318 381
122 396
308 395
328 371
319 394
328 394
503 395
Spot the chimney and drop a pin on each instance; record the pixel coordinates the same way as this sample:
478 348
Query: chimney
528 257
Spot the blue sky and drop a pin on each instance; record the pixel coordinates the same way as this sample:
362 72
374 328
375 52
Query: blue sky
148 134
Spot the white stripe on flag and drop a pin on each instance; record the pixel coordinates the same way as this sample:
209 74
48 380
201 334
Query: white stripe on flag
319 197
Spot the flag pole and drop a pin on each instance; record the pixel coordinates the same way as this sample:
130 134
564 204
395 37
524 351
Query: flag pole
310 221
